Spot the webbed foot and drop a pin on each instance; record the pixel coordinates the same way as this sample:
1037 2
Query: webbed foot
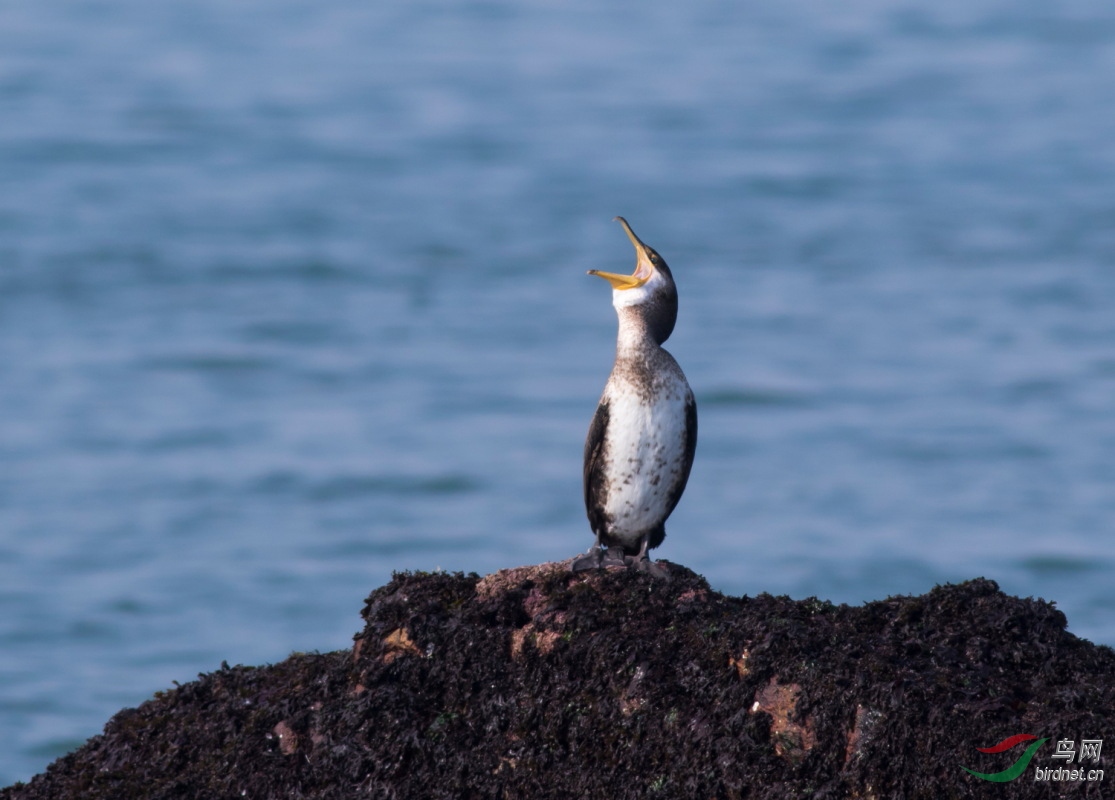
652 568
593 559
642 562
615 557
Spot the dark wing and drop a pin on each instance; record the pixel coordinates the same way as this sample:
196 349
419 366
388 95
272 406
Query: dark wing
690 449
595 480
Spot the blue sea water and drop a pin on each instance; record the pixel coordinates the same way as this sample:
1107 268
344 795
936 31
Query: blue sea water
292 295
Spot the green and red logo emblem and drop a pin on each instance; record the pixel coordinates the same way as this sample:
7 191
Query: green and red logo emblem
1019 766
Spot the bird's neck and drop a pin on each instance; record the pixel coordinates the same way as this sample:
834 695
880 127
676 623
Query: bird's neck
634 337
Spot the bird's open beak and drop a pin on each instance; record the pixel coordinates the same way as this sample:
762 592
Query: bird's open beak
644 269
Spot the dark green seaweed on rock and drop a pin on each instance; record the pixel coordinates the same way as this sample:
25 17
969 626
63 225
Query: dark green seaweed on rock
540 684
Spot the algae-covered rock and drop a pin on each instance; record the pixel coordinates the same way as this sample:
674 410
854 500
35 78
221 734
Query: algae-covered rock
536 683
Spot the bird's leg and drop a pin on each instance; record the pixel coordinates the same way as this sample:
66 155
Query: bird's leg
593 559
641 558
643 563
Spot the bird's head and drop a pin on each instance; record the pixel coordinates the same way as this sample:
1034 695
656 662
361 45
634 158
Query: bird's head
650 287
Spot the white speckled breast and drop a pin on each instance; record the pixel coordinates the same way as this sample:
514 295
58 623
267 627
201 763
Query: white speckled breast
644 451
